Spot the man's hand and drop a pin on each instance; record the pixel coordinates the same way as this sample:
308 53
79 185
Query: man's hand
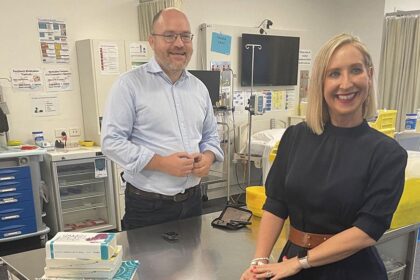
202 163
177 164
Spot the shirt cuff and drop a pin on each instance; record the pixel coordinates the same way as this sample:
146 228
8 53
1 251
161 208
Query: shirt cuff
371 226
276 208
218 156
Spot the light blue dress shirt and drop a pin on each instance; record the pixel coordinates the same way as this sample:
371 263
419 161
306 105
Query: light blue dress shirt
147 114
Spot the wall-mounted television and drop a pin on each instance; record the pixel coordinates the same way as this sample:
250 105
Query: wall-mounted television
211 79
276 64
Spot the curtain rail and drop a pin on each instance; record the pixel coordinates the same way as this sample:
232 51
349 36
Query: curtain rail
403 13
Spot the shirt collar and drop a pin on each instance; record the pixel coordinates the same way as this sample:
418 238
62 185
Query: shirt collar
154 67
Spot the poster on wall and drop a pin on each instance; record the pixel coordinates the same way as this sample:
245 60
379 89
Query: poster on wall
267 101
278 100
220 43
290 99
53 40
58 79
45 105
240 100
138 54
109 56
220 66
305 57
28 79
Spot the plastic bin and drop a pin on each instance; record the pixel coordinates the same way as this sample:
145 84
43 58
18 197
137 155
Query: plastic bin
394 269
255 199
396 273
385 122
408 210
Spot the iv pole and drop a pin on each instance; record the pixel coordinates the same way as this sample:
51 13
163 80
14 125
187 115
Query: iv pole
251 108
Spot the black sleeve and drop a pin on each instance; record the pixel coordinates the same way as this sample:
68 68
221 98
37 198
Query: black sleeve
383 192
275 183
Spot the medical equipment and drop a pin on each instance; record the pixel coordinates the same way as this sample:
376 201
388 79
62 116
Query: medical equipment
256 103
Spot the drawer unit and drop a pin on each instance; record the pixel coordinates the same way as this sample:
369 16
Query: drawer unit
15 198
17 203
24 226
15 185
17 212
13 214
7 174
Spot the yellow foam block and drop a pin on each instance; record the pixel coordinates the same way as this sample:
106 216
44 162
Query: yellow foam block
408 210
255 199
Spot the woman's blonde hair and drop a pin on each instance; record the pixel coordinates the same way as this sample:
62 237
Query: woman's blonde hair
317 111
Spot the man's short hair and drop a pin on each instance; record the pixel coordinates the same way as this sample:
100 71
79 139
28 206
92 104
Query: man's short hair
155 19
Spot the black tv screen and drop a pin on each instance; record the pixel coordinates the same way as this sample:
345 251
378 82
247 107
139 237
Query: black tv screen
276 64
211 79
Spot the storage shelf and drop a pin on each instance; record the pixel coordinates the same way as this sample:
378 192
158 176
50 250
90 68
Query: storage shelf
65 198
81 173
83 208
80 183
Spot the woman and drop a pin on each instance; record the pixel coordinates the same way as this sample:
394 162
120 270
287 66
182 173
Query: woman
338 180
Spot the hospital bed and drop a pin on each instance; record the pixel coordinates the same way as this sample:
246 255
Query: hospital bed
265 134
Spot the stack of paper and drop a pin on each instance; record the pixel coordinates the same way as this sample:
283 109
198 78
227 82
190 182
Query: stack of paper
77 255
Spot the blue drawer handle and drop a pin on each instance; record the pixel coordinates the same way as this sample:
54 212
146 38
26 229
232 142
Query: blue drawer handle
10 217
12 233
9 183
7 178
8 171
8 200
7 174
11 210
12 230
7 190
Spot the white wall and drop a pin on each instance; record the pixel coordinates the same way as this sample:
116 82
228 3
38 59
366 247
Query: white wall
96 19
117 19
320 19
402 5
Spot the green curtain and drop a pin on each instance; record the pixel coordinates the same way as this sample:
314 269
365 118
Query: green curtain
147 10
399 75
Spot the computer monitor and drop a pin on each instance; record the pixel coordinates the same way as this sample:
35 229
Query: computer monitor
211 79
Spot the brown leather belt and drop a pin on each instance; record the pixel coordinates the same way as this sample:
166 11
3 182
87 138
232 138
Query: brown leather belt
179 197
306 239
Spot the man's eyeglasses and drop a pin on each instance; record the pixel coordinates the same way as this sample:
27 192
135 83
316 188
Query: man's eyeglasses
171 37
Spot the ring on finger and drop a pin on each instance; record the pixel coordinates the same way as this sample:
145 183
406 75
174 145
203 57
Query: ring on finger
269 274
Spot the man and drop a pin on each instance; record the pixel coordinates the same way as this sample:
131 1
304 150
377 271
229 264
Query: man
160 127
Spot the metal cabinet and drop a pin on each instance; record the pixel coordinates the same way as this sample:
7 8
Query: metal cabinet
81 192
20 203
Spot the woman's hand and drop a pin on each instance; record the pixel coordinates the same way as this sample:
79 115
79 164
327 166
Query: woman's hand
248 275
275 271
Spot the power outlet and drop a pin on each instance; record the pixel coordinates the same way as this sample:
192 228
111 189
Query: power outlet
75 131
58 131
